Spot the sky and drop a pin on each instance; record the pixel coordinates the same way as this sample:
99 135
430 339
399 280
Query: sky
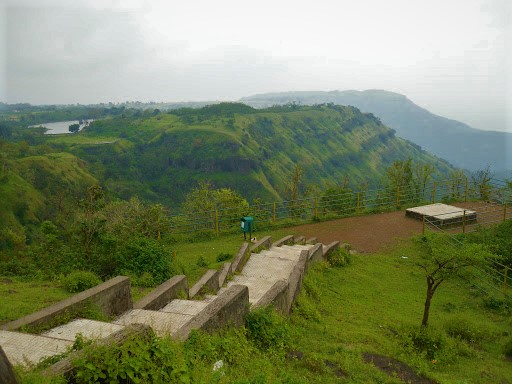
452 57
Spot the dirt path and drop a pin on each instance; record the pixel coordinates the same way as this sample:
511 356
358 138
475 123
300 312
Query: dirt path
366 234
373 233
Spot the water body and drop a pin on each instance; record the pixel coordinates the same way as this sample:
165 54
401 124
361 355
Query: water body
61 126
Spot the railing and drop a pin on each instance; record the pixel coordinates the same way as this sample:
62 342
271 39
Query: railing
346 203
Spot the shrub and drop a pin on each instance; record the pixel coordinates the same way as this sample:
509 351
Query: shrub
339 257
223 257
462 329
142 255
426 341
79 281
266 329
201 262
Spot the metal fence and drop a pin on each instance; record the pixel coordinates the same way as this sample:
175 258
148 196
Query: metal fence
337 205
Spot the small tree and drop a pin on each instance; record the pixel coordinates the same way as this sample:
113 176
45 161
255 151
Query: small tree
74 128
441 258
481 181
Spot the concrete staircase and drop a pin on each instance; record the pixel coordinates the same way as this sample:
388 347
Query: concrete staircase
260 273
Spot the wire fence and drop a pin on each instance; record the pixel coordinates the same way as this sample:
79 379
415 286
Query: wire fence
494 277
346 203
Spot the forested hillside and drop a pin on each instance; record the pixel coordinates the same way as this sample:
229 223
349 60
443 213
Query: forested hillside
161 156
460 144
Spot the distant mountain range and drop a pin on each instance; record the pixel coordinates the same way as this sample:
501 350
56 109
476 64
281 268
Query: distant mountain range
460 144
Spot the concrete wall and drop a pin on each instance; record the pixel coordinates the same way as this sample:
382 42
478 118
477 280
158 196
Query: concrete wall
330 247
277 296
264 243
288 240
295 280
299 240
316 253
224 272
228 309
113 297
7 375
241 258
175 287
209 281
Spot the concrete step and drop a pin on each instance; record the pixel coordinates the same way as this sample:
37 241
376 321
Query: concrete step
90 329
163 323
185 307
26 349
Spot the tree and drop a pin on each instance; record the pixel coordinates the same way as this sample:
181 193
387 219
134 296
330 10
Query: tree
481 181
204 200
74 128
442 258
457 180
422 174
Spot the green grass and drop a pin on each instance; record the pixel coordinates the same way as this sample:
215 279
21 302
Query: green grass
20 297
370 305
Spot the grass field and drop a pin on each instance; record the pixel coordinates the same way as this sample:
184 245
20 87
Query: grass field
371 306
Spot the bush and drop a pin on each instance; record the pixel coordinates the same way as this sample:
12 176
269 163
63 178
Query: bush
142 255
426 341
266 329
339 257
201 262
223 257
79 281
462 329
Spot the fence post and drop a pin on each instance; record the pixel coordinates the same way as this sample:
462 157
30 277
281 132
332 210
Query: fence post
358 201
423 229
466 191
464 222
274 212
505 279
434 193
505 212
316 208
217 222
397 197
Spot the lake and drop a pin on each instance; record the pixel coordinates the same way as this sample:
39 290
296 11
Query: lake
60 127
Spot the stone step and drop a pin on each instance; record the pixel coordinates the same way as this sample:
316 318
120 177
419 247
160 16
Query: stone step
185 307
26 349
163 323
90 329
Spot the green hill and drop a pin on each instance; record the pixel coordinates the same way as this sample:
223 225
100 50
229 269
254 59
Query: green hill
460 144
161 156
36 187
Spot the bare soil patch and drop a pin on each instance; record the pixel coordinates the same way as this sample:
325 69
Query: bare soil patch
381 231
396 368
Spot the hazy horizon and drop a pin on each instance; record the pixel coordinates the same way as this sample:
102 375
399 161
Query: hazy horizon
450 57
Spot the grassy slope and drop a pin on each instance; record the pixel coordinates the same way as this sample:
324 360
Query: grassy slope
365 307
161 157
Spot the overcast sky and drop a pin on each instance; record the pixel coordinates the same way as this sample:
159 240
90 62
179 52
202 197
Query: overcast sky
452 57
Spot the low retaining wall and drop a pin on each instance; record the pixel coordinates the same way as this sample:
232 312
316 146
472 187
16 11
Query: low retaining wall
241 258
210 281
299 240
330 248
288 240
312 240
65 366
264 243
224 273
277 296
230 308
176 286
7 375
316 253
113 297
295 280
